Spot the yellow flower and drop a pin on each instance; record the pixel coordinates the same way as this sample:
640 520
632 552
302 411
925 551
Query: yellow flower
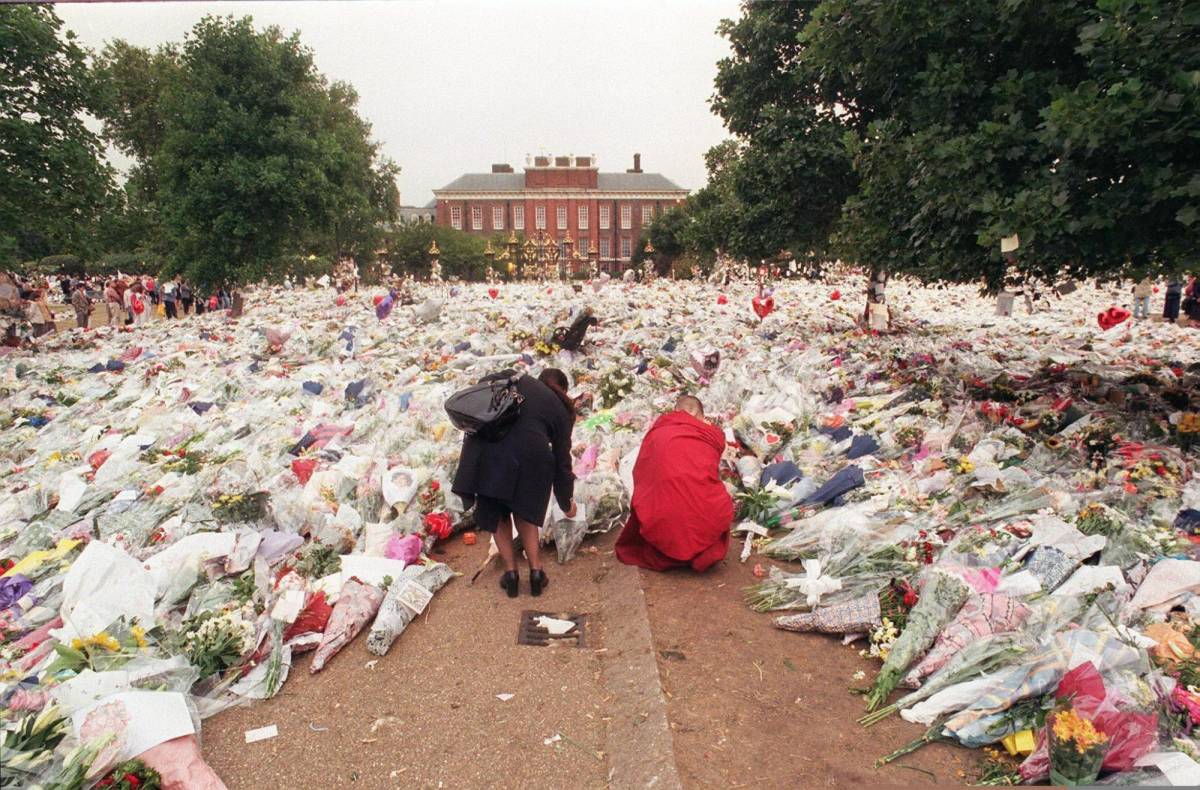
78 644
139 635
1069 726
965 467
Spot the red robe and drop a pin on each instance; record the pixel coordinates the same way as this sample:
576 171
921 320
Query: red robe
681 510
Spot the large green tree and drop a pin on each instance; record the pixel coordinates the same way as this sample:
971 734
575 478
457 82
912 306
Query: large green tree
912 136
53 183
247 158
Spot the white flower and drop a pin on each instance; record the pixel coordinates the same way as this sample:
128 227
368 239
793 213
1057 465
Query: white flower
859 675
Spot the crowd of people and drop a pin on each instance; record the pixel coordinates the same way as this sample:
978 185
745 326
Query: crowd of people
26 303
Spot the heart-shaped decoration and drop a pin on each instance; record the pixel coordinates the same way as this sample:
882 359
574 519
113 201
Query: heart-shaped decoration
377 299
493 292
340 301
763 305
835 295
1111 317
722 299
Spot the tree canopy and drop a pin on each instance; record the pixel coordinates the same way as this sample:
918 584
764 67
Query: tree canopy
247 158
913 136
53 185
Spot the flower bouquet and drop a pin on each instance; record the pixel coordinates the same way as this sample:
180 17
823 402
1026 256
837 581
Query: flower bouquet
239 508
941 598
1099 519
130 775
215 642
1077 749
614 387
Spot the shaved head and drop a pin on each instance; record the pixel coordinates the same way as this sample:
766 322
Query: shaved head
691 404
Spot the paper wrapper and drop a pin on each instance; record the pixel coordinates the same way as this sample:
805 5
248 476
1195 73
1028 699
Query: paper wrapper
395 613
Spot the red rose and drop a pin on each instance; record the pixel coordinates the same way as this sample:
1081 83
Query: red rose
133 781
435 486
438 525
105 782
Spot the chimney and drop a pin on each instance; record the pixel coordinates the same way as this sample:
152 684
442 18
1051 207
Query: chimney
637 164
502 168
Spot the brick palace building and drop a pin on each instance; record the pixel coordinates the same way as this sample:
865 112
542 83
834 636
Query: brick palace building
567 197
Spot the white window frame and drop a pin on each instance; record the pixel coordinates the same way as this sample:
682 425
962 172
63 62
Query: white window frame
476 217
540 217
497 217
583 246
604 218
647 214
518 218
605 248
456 217
626 248
560 217
626 216
583 217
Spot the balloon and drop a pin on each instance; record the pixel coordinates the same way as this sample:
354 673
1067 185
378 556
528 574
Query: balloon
835 295
493 292
722 299
377 299
340 301
1112 317
762 306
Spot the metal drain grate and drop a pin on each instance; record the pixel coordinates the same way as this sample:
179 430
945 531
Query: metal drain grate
530 633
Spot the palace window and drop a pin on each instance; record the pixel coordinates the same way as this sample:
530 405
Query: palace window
497 217
626 216
647 214
583 217
604 218
476 217
456 217
519 217
605 249
540 217
561 216
626 248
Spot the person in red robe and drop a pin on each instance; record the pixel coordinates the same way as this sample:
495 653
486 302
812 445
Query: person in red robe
681 510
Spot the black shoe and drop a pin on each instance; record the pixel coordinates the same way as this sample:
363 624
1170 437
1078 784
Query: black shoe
509 582
537 582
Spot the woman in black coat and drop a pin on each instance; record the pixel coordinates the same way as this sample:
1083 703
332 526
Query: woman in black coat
514 476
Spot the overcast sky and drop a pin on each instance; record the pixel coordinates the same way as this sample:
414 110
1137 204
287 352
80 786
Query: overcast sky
452 86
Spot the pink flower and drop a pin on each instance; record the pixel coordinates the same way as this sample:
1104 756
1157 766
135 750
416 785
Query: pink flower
1188 701
27 700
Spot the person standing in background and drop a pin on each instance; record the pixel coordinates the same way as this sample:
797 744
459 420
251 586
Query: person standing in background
39 315
1174 297
112 300
82 305
185 297
1141 297
169 289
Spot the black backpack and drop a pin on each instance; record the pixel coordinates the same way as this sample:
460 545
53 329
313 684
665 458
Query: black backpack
488 409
